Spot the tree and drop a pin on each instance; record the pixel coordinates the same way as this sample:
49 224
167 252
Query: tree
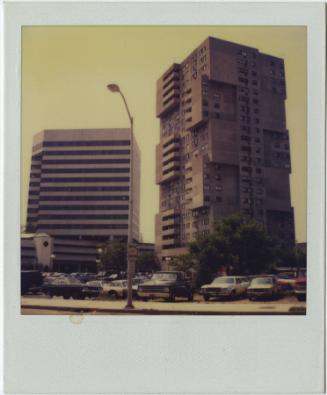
237 245
147 262
113 257
294 258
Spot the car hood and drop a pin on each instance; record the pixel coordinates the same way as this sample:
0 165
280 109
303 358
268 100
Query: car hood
158 282
261 286
217 286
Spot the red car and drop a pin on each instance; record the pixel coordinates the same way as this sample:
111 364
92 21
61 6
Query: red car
300 288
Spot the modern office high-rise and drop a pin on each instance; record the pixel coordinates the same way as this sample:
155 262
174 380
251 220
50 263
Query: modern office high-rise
80 185
224 145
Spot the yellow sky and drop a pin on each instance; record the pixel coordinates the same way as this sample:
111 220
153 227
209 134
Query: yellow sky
65 71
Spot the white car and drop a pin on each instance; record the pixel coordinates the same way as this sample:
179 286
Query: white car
225 286
118 289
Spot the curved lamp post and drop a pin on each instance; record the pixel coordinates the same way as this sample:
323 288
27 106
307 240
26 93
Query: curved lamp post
115 89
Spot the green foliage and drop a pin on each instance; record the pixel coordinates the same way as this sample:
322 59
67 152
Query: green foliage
237 245
113 257
147 262
295 257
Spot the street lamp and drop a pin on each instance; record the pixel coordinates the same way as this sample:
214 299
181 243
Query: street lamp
115 89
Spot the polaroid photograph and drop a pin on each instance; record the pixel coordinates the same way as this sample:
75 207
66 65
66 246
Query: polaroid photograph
164 197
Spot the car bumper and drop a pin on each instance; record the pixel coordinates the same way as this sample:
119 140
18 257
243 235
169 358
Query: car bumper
258 294
217 293
153 294
89 293
300 292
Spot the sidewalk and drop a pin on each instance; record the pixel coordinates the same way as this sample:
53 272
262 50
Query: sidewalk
164 308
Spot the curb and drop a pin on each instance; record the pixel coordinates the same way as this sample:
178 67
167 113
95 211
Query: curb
85 310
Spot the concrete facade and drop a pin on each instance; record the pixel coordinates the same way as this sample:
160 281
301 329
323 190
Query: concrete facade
224 144
80 188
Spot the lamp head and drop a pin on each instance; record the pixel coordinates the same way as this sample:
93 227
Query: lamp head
113 87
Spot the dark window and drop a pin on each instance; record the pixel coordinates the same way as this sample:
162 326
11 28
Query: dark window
88 179
83 161
81 189
88 152
82 226
83 207
82 216
87 143
79 170
59 253
75 198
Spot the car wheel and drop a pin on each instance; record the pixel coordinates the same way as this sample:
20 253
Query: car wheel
190 297
206 297
251 298
113 295
172 296
66 296
233 295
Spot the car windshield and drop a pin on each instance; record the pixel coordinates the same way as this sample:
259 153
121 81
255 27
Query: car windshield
262 280
224 280
119 283
164 276
94 283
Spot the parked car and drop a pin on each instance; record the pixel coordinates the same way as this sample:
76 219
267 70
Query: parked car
225 287
300 288
93 289
287 281
67 287
167 285
31 281
264 287
118 289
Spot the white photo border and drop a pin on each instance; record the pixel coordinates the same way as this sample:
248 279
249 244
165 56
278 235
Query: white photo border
166 354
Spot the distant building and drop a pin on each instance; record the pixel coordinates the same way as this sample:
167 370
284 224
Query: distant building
48 253
79 190
302 247
145 247
224 145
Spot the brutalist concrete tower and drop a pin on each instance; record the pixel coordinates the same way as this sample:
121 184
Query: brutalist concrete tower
224 146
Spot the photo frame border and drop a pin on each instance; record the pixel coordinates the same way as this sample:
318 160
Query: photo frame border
227 360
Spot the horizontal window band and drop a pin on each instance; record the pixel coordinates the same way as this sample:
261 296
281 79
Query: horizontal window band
83 161
82 226
85 143
86 179
58 253
82 207
81 189
55 217
83 152
78 198
78 246
79 170
71 263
